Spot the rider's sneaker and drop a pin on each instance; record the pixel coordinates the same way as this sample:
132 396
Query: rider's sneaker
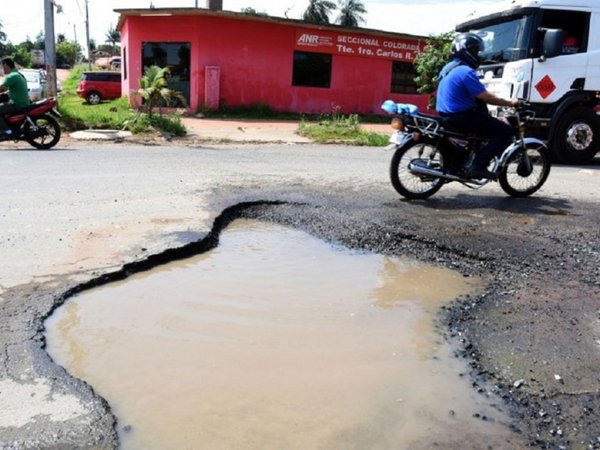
479 173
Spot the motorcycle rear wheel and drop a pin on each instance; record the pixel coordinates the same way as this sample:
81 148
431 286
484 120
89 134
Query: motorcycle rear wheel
45 134
410 185
525 171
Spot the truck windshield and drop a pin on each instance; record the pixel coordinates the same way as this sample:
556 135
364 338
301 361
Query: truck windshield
506 39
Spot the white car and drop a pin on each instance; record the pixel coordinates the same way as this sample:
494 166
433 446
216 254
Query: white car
36 84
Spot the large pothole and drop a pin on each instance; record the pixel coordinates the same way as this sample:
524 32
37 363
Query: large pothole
275 339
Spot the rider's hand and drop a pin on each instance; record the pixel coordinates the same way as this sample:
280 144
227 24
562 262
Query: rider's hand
514 102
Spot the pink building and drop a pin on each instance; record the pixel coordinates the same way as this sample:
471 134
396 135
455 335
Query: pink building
234 59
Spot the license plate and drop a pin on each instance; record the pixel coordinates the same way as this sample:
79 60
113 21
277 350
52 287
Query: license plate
399 137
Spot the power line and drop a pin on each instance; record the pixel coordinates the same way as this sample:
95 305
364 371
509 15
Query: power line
79 7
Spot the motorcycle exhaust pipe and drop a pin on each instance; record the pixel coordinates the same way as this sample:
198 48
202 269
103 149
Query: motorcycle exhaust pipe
424 170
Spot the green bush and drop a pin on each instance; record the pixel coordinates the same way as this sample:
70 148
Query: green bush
170 124
339 128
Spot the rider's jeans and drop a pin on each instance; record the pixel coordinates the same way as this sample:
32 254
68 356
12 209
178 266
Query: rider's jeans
485 126
6 108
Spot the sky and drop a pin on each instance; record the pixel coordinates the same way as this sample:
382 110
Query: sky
25 18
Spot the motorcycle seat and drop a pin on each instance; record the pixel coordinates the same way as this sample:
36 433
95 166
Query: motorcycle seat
453 130
26 109
29 107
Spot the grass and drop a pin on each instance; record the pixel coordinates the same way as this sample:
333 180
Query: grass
341 129
116 114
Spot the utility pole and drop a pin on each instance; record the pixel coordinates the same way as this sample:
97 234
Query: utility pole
50 49
87 35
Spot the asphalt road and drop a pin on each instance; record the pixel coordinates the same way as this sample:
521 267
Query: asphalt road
82 215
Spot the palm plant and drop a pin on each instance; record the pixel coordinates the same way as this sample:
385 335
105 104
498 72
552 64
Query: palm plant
318 11
154 89
113 37
351 13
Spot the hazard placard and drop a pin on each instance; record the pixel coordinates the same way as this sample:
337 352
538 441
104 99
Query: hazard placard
545 86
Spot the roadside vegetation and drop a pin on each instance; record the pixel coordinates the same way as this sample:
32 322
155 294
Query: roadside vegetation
338 128
116 114
332 128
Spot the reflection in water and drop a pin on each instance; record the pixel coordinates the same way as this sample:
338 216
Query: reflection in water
276 340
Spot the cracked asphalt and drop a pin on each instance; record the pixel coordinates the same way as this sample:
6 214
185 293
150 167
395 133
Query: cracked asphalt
83 215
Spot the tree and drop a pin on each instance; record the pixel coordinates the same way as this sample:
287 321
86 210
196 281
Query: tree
2 34
154 89
2 41
67 52
253 12
106 49
318 11
7 49
27 44
351 13
40 42
113 37
22 57
430 61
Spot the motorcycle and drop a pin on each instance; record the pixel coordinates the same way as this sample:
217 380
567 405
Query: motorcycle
35 124
428 154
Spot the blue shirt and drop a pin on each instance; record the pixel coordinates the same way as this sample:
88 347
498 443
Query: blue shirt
458 89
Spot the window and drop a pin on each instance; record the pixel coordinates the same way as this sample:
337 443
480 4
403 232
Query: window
124 65
175 56
403 78
312 69
575 25
113 77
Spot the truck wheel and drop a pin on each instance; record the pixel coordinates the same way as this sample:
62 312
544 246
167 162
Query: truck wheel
577 136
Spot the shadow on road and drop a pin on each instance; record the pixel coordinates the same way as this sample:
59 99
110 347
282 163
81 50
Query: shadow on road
530 205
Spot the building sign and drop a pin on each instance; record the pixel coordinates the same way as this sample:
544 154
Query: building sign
358 45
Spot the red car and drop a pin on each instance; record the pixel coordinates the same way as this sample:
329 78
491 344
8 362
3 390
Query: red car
100 85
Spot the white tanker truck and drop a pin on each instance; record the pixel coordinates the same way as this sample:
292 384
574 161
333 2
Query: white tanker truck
547 52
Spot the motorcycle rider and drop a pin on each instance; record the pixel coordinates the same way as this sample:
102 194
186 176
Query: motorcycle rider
15 84
461 101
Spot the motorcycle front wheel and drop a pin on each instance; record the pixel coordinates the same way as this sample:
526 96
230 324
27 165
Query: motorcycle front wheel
44 134
412 185
525 171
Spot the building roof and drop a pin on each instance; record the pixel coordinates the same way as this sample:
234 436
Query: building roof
123 13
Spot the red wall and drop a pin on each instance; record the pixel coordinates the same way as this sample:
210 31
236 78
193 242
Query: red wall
255 59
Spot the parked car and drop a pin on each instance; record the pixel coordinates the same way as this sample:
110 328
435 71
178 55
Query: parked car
36 84
115 63
100 85
44 75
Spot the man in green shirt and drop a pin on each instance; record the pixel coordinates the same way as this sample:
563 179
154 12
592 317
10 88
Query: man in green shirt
16 85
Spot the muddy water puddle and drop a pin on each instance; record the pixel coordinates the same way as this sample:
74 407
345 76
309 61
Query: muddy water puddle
277 340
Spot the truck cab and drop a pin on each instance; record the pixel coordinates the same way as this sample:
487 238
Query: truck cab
548 53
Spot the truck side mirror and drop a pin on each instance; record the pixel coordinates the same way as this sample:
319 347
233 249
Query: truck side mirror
553 43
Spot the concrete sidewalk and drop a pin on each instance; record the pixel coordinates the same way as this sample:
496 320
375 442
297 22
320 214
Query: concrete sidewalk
244 130
253 130
229 130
